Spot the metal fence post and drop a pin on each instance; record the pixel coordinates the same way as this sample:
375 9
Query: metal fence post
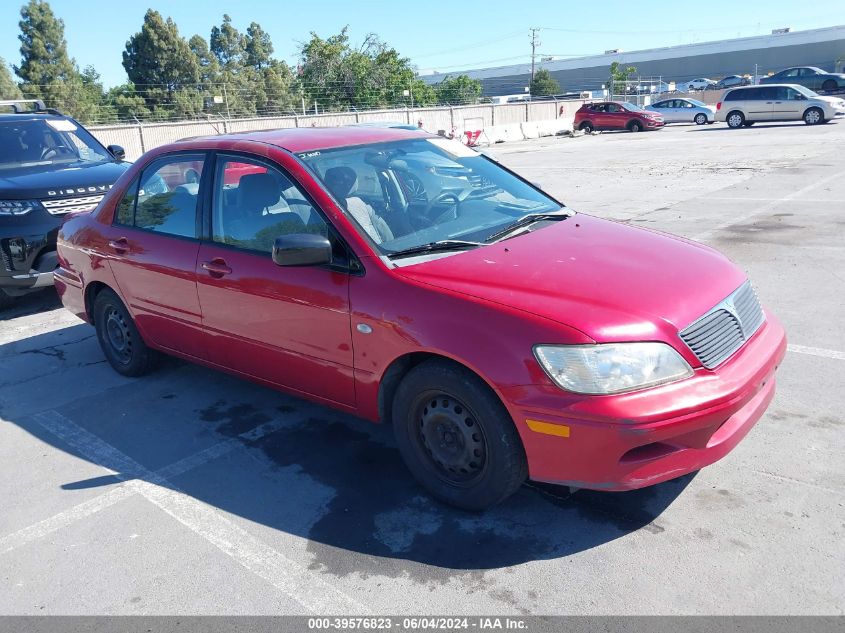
451 118
141 137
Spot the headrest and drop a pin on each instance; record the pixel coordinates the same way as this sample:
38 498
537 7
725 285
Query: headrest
341 181
257 192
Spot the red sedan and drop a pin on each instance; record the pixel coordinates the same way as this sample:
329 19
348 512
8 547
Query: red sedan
616 115
405 278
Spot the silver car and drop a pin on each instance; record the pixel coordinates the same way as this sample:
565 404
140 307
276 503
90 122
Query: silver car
684 111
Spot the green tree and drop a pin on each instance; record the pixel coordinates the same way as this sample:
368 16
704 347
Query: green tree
159 62
619 77
227 44
544 84
258 47
46 70
126 103
209 67
8 88
338 75
458 90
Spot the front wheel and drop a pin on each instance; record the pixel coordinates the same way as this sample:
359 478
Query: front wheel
735 120
119 338
635 126
813 116
700 118
830 85
456 437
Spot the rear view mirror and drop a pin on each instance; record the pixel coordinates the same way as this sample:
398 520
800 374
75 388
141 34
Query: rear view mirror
117 151
302 249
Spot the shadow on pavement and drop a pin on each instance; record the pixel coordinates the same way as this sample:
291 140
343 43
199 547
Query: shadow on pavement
331 478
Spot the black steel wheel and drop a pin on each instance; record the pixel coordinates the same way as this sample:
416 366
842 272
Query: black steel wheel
119 338
456 437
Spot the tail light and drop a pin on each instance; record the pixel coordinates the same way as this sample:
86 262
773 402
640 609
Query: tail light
719 105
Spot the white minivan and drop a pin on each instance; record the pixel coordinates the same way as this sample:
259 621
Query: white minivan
776 102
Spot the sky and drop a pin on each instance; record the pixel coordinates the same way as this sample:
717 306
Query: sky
443 35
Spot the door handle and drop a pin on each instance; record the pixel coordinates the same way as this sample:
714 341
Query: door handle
216 267
119 246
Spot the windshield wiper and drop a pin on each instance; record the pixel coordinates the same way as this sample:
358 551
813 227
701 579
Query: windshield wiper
439 245
526 220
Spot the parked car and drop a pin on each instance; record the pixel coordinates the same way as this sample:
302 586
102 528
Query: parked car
615 115
684 111
809 77
701 83
751 104
49 166
731 81
507 338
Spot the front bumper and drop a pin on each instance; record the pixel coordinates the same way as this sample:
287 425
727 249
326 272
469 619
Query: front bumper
28 251
633 440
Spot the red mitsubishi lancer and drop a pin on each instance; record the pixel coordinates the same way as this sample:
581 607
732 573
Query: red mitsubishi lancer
406 279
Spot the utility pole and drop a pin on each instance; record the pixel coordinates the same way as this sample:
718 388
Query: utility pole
535 42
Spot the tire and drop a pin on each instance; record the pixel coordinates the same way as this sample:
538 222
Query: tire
119 338
587 127
813 116
700 118
830 85
635 126
735 119
467 453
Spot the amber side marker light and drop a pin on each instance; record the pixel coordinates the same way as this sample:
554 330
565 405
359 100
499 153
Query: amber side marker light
561 430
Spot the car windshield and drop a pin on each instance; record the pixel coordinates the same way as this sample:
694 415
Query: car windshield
44 142
410 193
631 107
805 91
698 103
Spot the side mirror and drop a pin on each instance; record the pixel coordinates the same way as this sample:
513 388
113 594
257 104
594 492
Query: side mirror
302 249
117 151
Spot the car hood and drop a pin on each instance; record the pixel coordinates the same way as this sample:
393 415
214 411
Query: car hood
611 281
48 181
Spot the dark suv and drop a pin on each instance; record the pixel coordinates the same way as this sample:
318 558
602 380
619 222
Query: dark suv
49 166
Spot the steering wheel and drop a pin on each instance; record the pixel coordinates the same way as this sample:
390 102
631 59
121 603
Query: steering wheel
52 152
449 202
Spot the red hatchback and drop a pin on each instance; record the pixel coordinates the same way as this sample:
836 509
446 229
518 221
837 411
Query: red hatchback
616 115
405 278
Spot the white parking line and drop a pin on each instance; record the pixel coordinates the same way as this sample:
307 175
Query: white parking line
766 207
292 579
816 351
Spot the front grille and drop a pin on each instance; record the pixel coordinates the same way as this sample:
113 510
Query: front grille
724 329
69 205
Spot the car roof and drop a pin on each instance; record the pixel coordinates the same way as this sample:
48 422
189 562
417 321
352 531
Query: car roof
306 139
30 116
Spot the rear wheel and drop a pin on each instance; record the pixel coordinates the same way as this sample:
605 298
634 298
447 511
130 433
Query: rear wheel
635 126
700 118
830 85
587 127
456 437
735 119
119 338
813 116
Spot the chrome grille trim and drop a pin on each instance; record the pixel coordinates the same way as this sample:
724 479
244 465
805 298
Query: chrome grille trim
68 205
725 328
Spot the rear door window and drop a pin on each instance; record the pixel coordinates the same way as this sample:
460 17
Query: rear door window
168 195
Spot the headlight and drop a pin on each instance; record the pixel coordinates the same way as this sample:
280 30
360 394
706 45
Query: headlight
18 207
613 367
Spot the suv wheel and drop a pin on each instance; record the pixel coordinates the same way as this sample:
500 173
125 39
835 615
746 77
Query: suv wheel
635 126
813 116
735 119
119 338
587 127
456 437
